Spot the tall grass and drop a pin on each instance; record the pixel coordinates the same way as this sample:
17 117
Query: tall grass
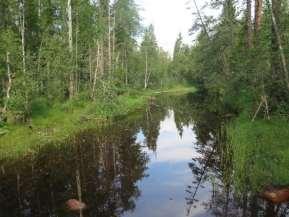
261 152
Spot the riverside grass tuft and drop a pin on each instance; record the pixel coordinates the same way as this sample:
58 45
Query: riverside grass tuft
261 152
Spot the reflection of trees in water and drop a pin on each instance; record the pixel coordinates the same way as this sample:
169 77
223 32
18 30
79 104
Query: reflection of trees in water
213 170
182 107
98 166
108 161
157 111
153 116
211 166
102 166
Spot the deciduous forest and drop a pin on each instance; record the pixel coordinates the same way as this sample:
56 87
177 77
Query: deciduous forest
54 51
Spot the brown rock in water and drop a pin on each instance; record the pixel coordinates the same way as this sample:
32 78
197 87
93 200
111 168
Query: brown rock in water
75 205
276 195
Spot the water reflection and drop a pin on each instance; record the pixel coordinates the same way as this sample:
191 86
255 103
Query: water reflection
163 191
171 159
99 165
213 172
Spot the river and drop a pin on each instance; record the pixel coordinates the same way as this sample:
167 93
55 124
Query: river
169 159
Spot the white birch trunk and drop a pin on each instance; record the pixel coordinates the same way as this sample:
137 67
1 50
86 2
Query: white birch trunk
76 80
146 71
90 65
24 56
70 44
109 41
98 58
113 45
23 38
9 83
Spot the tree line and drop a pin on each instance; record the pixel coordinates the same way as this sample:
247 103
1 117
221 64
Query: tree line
55 50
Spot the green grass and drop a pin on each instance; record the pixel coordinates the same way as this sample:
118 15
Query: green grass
63 120
261 152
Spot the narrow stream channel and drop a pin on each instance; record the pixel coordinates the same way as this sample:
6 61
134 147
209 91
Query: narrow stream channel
163 192
169 159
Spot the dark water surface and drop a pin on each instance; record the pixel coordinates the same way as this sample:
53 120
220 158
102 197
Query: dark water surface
169 159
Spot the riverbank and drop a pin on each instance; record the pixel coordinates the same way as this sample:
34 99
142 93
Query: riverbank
65 119
261 151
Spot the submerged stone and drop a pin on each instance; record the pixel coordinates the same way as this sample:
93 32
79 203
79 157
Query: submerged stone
276 195
75 205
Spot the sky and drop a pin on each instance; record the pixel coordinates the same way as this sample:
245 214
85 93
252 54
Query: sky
169 17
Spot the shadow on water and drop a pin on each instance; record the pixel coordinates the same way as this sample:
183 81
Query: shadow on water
170 159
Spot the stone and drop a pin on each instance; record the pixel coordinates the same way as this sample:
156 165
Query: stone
75 205
276 195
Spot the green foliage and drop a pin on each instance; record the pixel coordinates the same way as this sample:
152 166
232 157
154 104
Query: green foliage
260 153
104 57
40 107
233 77
223 67
180 69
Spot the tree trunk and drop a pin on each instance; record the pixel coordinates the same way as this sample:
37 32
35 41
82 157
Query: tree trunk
113 45
125 67
258 14
98 59
146 71
70 44
280 46
109 40
76 79
249 24
26 110
9 83
90 65
201 19
275 56
23 38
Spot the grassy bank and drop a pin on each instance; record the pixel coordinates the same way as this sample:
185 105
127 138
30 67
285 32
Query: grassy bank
261 152
65 119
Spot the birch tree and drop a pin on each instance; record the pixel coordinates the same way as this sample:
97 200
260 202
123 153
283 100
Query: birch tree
70 45
149 49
